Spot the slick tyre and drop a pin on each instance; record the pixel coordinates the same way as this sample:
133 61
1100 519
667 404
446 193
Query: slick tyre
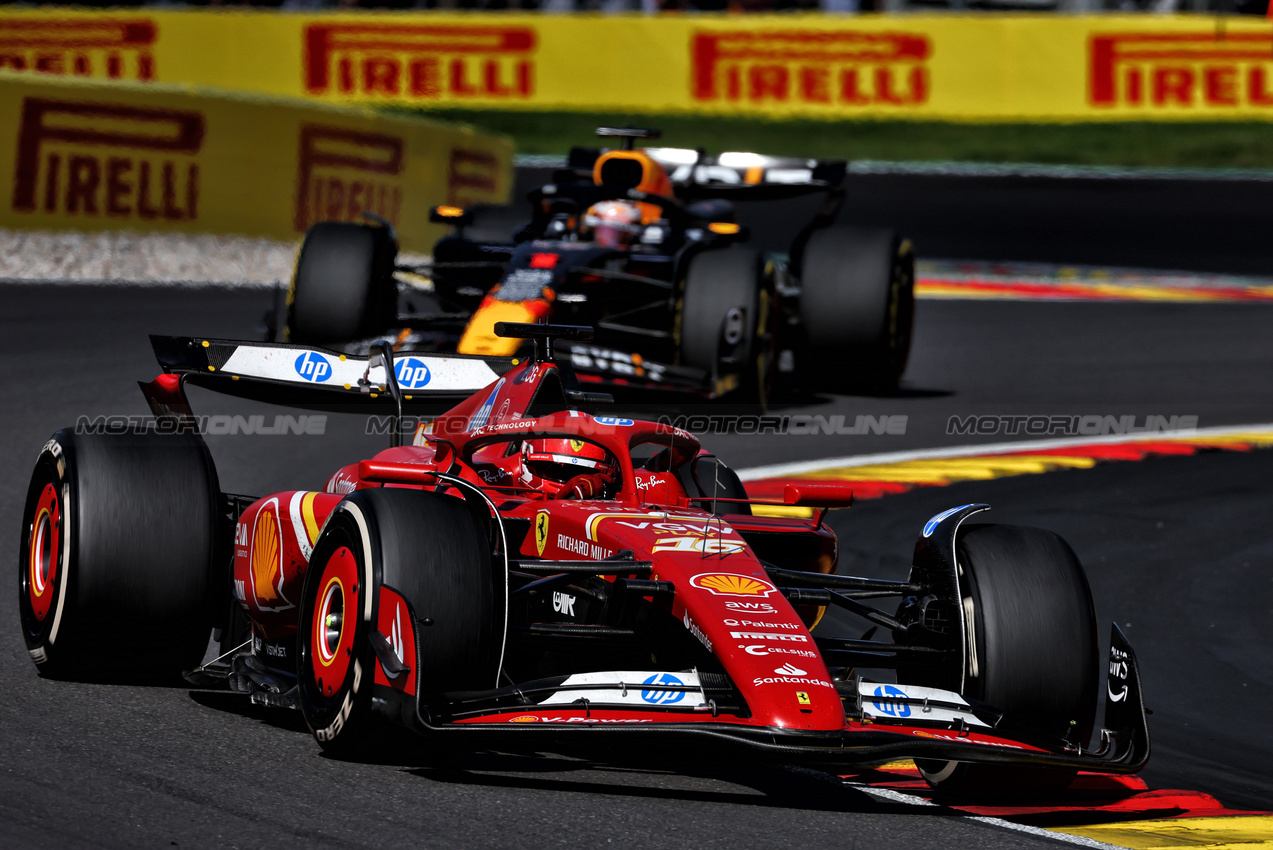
342 287
118 572
430 550
724 320
1033 653
857 305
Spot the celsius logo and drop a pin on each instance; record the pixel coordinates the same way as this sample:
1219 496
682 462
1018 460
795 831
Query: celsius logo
412 373
313 366
789 670
889 700
659 697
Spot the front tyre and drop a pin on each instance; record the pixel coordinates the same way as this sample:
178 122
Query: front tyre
1034 653
857 306
724 321
430 550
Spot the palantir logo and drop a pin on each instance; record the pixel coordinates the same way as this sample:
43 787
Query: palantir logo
889 700
660 697
313 366
412 373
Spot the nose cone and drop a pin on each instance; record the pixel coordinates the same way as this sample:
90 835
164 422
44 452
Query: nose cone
762 643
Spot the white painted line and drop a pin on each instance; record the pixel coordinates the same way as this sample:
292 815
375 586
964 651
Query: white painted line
805 467
912 800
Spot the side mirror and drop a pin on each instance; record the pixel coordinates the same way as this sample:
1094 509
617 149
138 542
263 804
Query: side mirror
453 216
728 230
818 495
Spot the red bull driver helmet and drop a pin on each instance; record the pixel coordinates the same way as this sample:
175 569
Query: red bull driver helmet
614 224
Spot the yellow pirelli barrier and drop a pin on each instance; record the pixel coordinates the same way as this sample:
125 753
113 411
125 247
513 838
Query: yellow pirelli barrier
975 67
108 156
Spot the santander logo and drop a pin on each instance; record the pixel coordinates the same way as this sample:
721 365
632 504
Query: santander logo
790 670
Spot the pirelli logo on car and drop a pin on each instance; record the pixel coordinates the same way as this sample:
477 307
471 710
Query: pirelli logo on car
343 172
810 67
117 48
1194 71
103 160
422 62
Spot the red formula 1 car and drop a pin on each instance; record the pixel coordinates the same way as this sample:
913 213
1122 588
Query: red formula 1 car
522 572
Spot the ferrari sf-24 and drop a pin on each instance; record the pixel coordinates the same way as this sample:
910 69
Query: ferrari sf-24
518 572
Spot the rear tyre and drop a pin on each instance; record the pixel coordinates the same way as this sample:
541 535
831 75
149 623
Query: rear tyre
724 320
431 550
342 287
119 568
857 305
1035 650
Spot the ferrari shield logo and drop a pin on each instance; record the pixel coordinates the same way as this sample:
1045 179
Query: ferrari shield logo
541 531
576 446
802 697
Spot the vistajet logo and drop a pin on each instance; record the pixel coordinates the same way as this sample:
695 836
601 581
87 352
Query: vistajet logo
811 67
117 48
107 160
344 172
420 62
1202 70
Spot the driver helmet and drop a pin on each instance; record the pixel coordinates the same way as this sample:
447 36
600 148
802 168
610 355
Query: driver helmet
614 224
560 459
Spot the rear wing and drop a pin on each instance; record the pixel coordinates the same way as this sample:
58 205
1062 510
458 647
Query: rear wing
310 377
735 175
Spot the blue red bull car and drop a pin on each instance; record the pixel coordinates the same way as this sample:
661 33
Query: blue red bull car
644 245
518 571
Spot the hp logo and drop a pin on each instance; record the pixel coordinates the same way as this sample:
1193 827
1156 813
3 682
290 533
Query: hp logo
662 697
888 700
412 373
313 366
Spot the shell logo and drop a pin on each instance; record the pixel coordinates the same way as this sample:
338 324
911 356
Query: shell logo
729 584
267 560
525 718
266 556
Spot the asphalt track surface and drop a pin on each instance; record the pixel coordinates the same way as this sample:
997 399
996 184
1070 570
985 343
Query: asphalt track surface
1178 551
1189 225
1177 548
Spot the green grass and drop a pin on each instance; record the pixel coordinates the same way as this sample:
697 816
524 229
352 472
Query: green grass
1183 145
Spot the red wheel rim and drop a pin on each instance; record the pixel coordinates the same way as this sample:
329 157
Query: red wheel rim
335 621
44 552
